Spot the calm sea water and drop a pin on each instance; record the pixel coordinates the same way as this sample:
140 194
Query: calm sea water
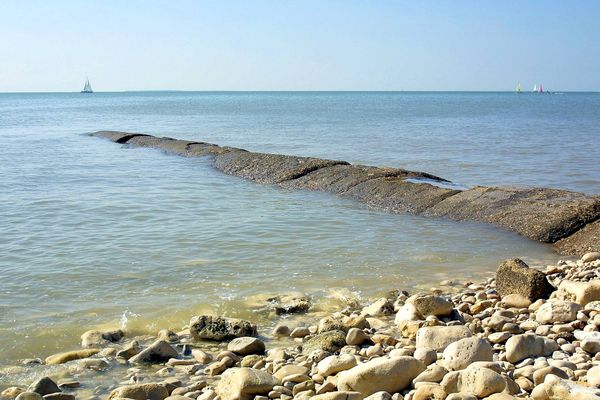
94 234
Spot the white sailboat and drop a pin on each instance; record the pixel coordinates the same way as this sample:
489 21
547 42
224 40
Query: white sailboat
535 89
518 88
87 88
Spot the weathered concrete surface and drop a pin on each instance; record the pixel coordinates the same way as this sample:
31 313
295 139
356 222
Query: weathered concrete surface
583 241
546 215
396 195
269 168
184 148
340 178
117 137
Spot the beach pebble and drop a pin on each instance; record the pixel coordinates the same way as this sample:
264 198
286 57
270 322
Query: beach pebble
11 392
430 305
201 356
439 337
478 381
593 376
589 257
29 396
300 332
516 300
391 375
244 383
580 292
557 311
520 347
95 338
150 391
356 337
333 364
426 355
462 353
382 306
281 330
246 345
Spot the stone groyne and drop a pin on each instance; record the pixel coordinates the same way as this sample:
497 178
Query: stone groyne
569 220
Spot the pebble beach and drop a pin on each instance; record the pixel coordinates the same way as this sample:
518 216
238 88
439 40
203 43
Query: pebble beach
527 332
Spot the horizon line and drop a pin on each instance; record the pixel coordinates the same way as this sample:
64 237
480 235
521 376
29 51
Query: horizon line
299 91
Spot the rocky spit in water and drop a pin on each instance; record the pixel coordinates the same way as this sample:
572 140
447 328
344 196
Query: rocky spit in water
529 333
569 220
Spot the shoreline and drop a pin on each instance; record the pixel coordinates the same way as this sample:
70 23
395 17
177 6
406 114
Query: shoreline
525 333
568 220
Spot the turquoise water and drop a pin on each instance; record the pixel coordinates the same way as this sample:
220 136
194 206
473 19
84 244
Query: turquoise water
96 234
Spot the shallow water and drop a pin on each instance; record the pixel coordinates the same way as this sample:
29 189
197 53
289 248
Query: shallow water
96 234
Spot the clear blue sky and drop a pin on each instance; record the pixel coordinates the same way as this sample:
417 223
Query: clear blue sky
299 45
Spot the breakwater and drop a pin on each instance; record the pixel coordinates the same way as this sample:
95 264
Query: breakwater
569 220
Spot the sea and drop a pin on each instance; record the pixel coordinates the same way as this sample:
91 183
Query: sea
95 234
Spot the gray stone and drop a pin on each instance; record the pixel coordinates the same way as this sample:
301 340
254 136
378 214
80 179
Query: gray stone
158 352
44 386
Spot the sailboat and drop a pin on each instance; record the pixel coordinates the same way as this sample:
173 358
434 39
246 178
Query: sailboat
87 88
535 89
518 89
541 89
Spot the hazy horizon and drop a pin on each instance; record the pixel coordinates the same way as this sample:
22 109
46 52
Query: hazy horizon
298 46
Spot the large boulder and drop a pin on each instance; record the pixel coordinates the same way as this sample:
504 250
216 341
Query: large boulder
246 345
245 383
381 374
520 347
142 391
158 352
439 337
330 342
220 328
62 358
515 277
461 354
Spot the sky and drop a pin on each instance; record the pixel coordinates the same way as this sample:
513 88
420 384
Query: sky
299 45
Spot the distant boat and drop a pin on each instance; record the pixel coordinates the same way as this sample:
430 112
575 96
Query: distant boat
518 89
87 88
535 89
541 89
